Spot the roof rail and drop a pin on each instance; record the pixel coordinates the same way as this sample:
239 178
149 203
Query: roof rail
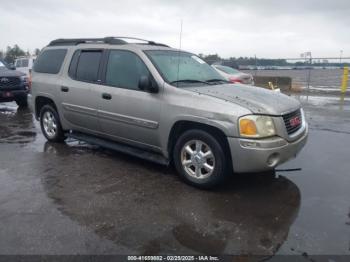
112 40
25 56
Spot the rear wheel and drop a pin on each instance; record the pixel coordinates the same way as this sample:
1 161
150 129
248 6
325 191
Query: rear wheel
200 159
22 102
50 124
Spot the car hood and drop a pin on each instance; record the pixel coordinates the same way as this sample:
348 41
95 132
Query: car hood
256 99
10 73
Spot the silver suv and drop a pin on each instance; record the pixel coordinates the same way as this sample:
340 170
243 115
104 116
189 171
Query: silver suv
164 105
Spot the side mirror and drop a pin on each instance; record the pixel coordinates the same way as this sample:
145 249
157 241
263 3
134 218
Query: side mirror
145 83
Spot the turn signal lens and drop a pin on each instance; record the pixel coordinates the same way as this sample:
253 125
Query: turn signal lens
247 127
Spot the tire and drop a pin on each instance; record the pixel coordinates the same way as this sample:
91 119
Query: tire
51 125
22 102
199 171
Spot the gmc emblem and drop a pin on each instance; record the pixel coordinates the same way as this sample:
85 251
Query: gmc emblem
295 121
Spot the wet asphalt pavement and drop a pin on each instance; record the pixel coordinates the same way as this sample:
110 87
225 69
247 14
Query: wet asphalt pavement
75 198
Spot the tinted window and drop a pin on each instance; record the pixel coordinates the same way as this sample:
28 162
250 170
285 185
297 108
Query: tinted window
50 61
124 69
18 63
88 65
73 64
25 62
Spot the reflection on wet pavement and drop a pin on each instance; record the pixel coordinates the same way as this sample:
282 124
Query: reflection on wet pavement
16 125
341 102
110 203
146 208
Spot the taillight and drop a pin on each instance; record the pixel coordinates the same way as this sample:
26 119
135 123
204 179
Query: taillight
235 80
29 83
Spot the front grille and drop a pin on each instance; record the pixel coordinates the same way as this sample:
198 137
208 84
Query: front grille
288 118
9 83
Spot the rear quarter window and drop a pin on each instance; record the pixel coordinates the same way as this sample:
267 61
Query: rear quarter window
50 61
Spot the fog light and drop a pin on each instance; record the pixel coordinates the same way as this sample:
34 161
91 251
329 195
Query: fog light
273 160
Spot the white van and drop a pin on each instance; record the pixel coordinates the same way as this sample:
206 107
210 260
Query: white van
25 64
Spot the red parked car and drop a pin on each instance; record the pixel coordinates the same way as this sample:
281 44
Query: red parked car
233 75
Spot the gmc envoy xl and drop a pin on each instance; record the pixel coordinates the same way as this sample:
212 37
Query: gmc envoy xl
164 105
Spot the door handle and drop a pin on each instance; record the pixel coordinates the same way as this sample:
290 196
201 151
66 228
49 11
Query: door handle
64 89
106 96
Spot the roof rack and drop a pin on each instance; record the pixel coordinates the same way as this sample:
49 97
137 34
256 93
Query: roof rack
112 40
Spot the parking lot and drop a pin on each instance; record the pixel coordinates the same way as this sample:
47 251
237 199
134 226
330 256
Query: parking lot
75 198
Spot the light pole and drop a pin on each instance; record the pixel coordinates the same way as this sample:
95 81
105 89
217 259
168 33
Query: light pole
308 56
256 66
341 55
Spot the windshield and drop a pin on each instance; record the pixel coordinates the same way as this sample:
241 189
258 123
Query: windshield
2 66
227 70
182 69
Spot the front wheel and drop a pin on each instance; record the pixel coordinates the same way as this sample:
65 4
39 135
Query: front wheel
200 159
50 124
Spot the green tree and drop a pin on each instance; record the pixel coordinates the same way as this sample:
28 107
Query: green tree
12 53
210 59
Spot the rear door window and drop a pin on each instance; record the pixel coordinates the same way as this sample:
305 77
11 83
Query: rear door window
50 61
88 65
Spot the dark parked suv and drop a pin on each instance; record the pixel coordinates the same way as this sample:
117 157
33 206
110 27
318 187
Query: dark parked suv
14 85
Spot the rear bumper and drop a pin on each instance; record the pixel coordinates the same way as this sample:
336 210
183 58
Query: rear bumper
249 155
4 97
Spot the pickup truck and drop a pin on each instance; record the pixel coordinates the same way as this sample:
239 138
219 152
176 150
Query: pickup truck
14 85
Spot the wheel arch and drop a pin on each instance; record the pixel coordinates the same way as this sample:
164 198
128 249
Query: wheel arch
41 101
182 126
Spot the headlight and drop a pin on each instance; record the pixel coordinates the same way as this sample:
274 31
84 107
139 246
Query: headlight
24 79
256 126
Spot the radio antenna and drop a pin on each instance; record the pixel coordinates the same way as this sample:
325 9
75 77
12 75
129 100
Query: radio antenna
178 53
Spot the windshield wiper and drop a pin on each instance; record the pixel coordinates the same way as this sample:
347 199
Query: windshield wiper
189 81
216 80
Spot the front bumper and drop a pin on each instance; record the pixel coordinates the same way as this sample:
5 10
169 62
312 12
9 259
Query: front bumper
252 155
4 97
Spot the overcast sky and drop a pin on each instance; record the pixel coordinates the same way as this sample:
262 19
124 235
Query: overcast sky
267 28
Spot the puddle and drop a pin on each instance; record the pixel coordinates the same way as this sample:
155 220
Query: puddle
16 125
332 102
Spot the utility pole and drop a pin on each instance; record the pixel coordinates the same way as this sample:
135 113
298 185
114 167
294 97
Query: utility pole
341 55
256 66
308 58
